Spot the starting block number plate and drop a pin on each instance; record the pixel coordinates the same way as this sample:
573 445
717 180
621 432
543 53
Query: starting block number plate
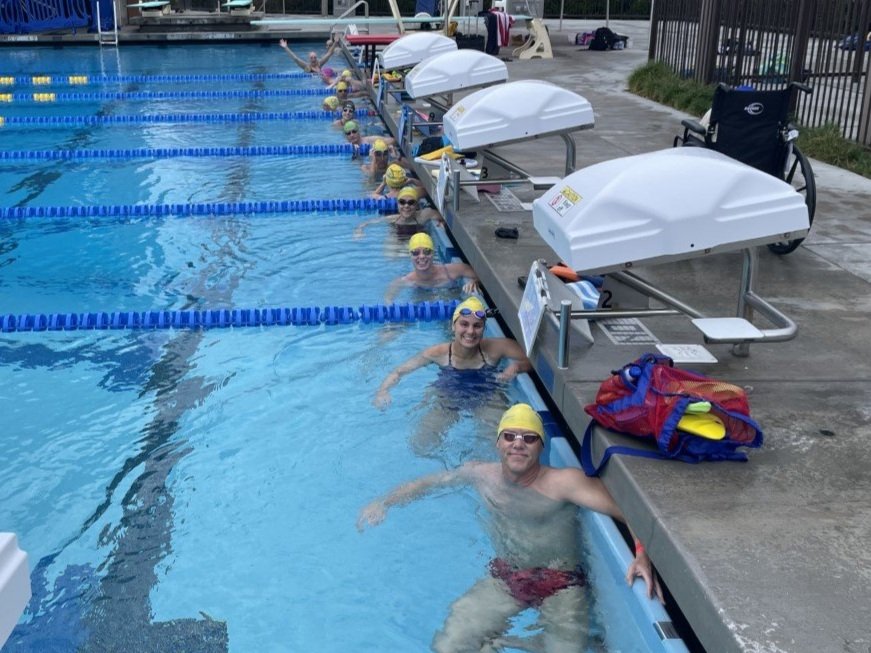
627 331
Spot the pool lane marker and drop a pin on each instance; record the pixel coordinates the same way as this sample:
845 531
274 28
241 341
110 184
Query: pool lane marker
171 152
227 318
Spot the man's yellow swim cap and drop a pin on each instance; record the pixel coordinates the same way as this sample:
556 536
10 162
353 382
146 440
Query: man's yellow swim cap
332 102
420 240
472 303
380 145
523 417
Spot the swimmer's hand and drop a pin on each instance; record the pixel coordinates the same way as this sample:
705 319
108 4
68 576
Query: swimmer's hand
641 567
470 287
358 233
356 152
282 43
371 515
382 399
507 374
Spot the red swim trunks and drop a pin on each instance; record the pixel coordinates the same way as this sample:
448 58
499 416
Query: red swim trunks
532 586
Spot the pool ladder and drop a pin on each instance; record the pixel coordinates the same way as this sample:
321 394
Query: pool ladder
107 37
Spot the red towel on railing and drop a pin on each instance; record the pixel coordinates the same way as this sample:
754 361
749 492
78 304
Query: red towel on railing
503 25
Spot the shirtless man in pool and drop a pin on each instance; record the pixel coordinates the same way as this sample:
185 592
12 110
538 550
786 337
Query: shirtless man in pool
532 511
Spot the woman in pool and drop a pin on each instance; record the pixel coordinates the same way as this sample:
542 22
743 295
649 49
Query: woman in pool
469 376
313 64
411 217
426 273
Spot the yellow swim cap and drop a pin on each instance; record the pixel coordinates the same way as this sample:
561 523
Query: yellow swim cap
420 240
473 304
380 145
395 176
523 417
342 86
407 192
350 126
347 73
332 102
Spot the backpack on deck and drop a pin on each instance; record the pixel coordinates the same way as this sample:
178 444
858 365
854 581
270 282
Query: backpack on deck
686 415
603 39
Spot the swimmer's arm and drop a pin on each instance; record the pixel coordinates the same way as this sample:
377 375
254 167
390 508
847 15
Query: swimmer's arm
431 214
358 230
591 493
393 289
378 192
375 512
456 270
299 62
508 348
382 397
329 53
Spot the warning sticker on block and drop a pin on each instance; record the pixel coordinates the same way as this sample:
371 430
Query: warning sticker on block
564 200
627 331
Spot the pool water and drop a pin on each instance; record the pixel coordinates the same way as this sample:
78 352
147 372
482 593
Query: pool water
198 490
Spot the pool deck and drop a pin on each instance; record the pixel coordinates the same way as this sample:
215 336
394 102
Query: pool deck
767 556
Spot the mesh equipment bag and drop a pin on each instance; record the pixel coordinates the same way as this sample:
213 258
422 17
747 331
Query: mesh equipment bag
648 398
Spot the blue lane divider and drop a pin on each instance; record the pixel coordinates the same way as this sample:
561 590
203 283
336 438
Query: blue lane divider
83 80
225 318
167 152
104 96
382 205
171 118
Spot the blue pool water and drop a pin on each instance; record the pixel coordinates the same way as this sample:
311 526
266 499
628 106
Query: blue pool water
199 490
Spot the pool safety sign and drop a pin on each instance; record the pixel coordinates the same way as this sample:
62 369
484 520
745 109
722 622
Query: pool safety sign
564 201
532 305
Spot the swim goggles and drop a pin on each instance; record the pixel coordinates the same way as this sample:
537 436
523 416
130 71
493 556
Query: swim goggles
352 131
481 315
422 251
528 438
407 202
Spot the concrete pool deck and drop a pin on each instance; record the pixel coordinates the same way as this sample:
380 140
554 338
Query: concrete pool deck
767 556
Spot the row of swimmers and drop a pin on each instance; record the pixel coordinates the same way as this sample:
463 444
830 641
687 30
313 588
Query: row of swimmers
530 508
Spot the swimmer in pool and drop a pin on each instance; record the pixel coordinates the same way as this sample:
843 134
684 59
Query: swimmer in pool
428 274
354 136
330 103
469 376
395 179
531 517
411 217
312 64
349 113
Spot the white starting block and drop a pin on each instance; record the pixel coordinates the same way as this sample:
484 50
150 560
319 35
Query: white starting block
455 70
152 7
668 206
239 7
411 49
14 584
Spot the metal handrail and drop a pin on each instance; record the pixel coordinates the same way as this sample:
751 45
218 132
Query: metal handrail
349 11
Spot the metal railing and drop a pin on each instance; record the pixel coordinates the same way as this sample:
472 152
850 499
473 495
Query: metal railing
767 44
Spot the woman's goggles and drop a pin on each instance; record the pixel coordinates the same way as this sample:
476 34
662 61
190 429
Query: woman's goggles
528 438
421 251
481 315
407 202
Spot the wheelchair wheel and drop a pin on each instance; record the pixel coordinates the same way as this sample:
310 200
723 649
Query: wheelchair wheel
800 175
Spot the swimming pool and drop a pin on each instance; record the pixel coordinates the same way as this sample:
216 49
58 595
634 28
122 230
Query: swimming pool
198 490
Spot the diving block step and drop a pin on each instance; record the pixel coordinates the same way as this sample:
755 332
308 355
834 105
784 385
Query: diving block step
239 7
543 183
14 584
727 329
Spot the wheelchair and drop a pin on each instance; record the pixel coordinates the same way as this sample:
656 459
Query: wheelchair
752 126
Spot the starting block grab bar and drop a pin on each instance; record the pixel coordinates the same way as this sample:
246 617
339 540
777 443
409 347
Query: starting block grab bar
624 294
